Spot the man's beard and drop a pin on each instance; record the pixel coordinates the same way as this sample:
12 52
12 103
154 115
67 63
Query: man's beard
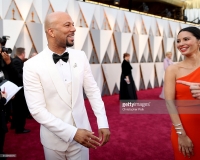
69 44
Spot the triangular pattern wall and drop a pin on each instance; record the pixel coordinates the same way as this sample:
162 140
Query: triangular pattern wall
104 33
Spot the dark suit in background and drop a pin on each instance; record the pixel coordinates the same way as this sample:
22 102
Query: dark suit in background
127 91
3 127
20 109
11 74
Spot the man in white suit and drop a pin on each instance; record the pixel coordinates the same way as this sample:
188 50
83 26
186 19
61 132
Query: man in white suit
53 86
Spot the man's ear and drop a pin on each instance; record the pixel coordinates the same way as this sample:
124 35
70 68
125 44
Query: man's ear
50 32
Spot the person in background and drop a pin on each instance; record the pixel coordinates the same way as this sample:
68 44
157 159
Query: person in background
25 59
20 109
7 72
127 84
167 62
33 54
185 116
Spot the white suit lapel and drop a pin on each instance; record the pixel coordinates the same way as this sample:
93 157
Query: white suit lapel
57 80
75 78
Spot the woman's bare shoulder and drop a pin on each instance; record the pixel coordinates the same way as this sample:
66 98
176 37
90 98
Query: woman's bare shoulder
173 68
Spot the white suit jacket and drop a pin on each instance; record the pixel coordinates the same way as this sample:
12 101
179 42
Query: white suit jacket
45 96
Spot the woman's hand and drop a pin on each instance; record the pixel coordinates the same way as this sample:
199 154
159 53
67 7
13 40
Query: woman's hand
4 94
127 80
185 145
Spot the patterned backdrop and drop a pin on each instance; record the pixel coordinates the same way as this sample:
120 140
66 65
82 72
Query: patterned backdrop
104 33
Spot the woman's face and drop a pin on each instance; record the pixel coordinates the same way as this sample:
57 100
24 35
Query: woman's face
127 58
169 56
187 43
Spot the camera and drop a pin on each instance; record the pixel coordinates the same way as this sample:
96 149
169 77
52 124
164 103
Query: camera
7 50
3 41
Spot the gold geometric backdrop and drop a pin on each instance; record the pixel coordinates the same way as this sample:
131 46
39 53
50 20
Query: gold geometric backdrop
104 33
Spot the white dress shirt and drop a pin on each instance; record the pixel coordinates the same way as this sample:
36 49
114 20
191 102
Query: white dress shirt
64 70
65 73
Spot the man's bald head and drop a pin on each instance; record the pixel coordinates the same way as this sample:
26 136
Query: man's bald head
59 29
52 19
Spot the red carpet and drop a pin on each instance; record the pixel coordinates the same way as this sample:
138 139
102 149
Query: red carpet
133 137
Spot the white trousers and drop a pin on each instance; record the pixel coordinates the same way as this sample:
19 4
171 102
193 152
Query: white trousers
75 151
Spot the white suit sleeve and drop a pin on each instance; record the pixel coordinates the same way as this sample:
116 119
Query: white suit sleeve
94 95
37 106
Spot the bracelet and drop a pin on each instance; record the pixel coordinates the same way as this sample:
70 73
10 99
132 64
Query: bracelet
176 125
178 128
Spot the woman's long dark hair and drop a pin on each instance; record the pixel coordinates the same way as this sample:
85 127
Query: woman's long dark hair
195 31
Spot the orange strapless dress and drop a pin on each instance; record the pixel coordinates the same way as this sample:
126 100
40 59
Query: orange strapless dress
191 122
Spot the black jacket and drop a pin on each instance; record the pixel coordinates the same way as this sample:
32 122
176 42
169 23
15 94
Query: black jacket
3 127
11 74
19 99
9 71
18 65
126 68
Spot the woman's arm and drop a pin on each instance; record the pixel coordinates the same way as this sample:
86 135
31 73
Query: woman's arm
185 144
169 92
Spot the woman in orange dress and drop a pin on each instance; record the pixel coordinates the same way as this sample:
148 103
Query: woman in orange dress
186 119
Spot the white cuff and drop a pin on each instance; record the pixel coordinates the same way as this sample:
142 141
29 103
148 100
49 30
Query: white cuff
73 134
